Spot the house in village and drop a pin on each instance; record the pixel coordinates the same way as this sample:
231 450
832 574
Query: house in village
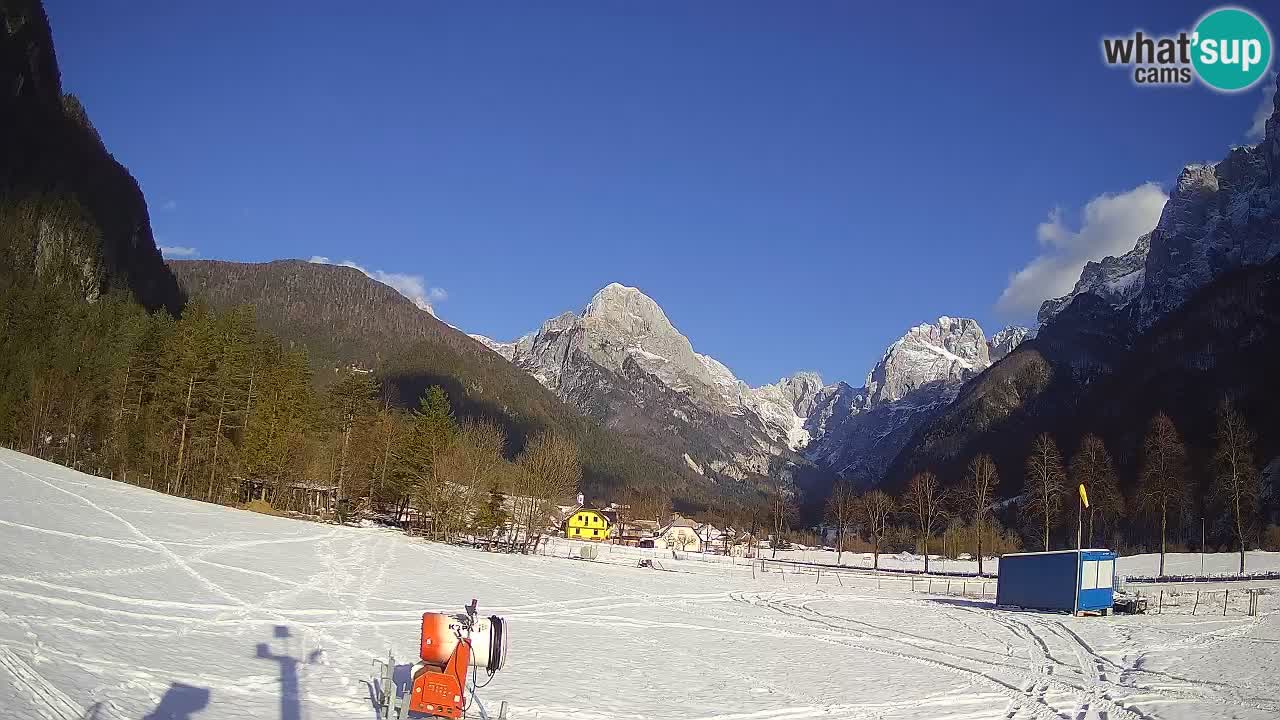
637 533
680 534
587 524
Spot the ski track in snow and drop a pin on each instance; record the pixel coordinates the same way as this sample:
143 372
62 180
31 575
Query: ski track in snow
117 602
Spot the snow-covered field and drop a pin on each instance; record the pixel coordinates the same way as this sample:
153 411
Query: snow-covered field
120 603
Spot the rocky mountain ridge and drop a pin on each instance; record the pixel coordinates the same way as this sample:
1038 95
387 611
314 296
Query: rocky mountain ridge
602 359
1162 327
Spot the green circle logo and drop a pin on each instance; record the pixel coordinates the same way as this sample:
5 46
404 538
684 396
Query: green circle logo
1231 49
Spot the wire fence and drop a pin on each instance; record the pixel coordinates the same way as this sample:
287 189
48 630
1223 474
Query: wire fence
1169 598
1224 602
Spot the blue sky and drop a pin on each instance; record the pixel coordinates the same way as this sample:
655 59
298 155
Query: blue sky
796 183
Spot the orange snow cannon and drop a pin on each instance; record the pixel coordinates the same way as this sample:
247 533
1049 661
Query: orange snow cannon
451 650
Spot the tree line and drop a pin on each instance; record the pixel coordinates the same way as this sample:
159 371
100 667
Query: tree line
208 406
1048 513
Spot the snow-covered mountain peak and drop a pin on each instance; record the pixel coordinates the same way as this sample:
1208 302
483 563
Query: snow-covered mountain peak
1004 341
785 406
505 349
949 350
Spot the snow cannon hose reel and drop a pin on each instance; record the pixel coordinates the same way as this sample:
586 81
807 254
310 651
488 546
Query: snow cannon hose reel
451 650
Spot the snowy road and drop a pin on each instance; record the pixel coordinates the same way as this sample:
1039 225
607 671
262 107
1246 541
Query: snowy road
116 602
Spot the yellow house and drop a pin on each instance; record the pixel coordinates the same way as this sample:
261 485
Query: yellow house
585 524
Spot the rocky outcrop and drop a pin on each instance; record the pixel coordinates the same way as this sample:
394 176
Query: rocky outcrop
1004 341
69 213
1116 280
622 362
948 351
858 432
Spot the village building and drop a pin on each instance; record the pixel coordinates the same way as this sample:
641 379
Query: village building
587 524
681 534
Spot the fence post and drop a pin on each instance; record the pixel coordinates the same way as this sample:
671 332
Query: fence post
1160 605
819 580
1225 594
1197 604
913 584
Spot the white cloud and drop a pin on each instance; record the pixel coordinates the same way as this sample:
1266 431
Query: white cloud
178 251
1110 225
169 205
413 287
1265 107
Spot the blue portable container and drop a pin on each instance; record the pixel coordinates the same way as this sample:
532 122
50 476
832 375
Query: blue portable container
1065 580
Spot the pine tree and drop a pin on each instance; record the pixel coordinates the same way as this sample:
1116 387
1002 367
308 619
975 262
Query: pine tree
432 430
352 406
187 367
281 418
235 341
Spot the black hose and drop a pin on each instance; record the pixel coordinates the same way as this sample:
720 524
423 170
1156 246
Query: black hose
497 637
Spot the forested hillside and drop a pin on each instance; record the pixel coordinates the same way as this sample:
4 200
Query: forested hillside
105 366
343 318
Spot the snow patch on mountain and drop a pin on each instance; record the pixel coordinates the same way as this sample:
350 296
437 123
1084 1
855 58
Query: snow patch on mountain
1116 280
1004 341
950 350
505 349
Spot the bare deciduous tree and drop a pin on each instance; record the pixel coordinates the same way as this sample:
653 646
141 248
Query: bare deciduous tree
1091 466
1046 483
783 508
1162 485
925 498
842 508
1237 481
874 510
551 471
980 487
466 473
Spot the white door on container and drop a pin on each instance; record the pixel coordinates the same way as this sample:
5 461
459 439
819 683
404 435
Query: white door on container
1089 575
1106 571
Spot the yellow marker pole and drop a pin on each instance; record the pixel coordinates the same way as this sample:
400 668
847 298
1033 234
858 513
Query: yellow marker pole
1084 503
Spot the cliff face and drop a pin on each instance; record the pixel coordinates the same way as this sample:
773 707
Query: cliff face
69 212
1181 321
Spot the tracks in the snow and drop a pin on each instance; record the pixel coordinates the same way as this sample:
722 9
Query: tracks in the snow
1039 691
46 700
